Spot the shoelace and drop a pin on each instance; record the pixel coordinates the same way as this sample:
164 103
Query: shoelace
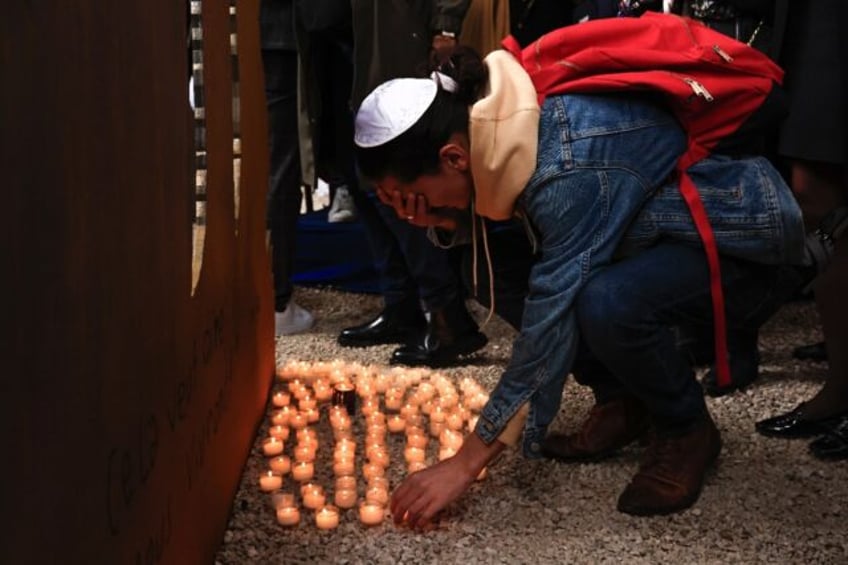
488 262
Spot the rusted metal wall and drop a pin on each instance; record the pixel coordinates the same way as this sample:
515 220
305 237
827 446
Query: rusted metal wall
128 404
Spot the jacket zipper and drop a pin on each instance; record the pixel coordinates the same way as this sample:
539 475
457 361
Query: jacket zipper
698 88
723 54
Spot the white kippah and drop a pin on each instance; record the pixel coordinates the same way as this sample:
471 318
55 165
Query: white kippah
395 106
391 109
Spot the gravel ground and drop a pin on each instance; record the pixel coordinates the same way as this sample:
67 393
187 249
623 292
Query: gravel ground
768 501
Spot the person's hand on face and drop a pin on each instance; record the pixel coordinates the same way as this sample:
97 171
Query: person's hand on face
415 209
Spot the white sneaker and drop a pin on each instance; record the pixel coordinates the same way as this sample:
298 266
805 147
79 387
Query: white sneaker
342 208
292 320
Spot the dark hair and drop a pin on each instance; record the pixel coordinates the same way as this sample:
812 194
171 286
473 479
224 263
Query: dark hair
416 151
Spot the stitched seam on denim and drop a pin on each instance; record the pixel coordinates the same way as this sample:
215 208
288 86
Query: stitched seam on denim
502 417
775 221
600 230
618 129
566 154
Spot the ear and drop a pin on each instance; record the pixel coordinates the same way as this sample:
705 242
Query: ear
454 156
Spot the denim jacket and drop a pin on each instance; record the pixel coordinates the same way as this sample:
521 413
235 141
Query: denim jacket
601 190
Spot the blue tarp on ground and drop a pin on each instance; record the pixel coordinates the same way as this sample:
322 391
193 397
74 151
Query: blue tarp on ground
335 255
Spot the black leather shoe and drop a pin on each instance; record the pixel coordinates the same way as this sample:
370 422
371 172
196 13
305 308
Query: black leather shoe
793 425
833 445
395 324
811 352
451 332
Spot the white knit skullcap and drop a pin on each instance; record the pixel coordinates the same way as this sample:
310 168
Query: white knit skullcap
395 106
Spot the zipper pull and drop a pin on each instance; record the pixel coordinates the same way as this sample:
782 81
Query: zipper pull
698 89
723 54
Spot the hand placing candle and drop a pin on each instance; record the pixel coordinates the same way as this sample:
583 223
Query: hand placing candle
446 452
425 493
415 466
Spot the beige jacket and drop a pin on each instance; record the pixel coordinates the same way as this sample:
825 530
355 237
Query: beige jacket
503 132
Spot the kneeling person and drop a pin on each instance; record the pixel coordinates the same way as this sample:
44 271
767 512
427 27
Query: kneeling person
590 176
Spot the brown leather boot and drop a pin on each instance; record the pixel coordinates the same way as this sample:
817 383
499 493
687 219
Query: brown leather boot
672 472
609 427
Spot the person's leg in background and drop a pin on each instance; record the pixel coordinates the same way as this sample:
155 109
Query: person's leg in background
743 332
336 148
416 276
451 331
284 185
393 39
813 138
402 316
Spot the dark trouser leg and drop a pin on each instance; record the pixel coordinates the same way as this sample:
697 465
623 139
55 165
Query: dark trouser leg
627 310
396 283
427 265
512 257
284 182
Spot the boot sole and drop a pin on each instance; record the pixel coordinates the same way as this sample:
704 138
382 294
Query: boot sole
346 342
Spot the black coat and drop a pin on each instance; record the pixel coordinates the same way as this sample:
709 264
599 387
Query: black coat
276 25
392 38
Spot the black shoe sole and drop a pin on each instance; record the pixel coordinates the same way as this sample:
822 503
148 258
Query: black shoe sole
348 342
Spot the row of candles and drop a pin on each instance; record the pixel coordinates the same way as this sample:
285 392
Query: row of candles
419 403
